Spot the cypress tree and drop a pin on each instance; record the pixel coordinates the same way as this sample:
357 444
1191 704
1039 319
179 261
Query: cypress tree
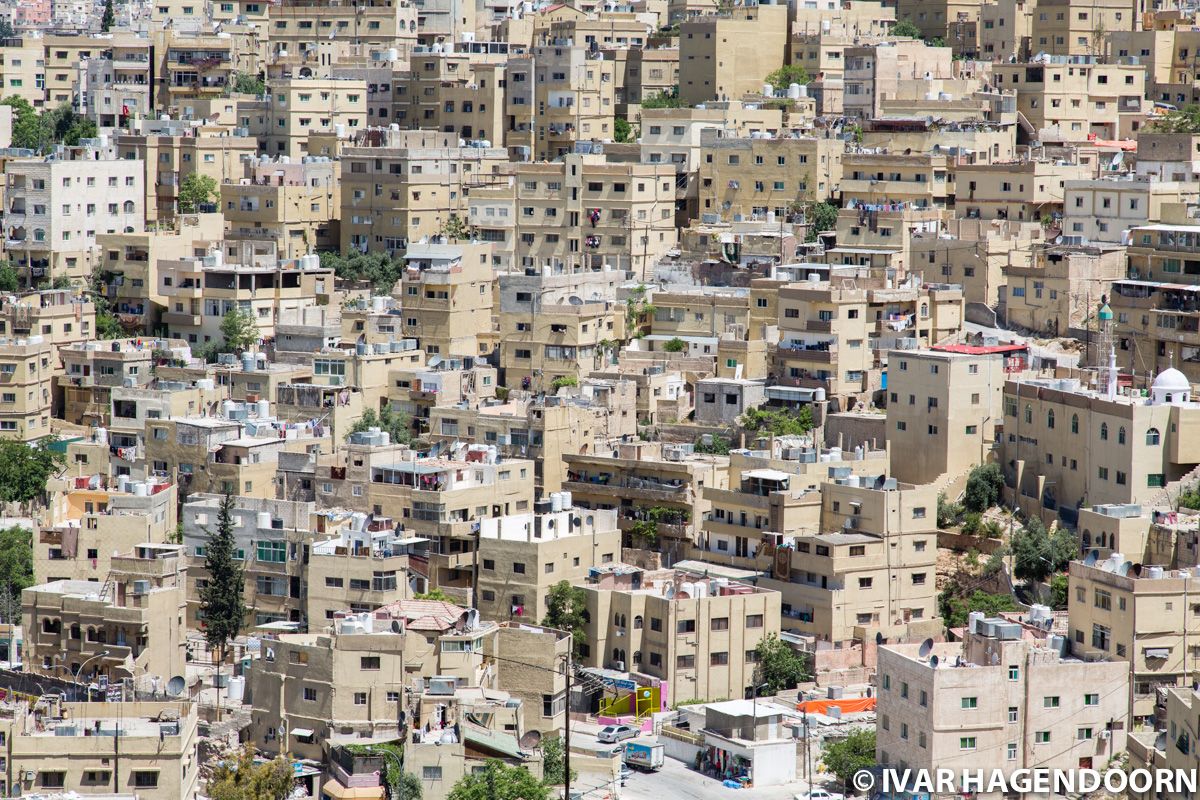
222 600
106 21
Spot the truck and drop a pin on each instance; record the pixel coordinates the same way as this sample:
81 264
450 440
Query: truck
644 755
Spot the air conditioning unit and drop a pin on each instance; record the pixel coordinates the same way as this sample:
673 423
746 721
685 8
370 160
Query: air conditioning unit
141 587
30 775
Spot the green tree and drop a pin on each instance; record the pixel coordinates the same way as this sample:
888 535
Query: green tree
10 279
955 605
499 781
433 594
16 570
1037 553
455 228
906 27
778 421
779 666
221 599
664 100
396 424
622 130
563 381
25 469
108 18
719 446
983 488
1181 120
855 752
948 513
242 778
554 762
1059 588
379 269
821 217
64 125
566 606
29 130
6 29
245 83
675 345
788 74
195 191
239 330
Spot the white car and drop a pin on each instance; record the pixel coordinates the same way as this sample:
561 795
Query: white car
819 794
611 734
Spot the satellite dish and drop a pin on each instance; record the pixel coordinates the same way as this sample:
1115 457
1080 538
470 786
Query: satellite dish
933 662
995 659
530 740
575 300
397 627
434 361
1092 557
926 648
176 686
1124 568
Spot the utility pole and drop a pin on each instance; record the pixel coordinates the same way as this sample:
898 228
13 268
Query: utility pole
567 727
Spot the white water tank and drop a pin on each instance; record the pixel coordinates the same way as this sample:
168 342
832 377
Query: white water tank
247 362
140 490
264 519
793 91
768 90
230 407
101 435
566 500
378 304
556 502
264 408
237 688
358 521
122 483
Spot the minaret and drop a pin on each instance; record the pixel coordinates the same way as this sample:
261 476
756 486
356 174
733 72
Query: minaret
1105 344
1111 389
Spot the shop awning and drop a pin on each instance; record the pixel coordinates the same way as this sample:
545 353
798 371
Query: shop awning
1158 652
302 733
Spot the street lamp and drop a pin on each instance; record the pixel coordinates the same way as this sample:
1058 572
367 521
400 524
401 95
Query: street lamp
101 654
396 786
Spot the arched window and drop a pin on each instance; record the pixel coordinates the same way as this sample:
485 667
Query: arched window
637 622
129 207
1050 419
1153 437
924 310
1104 431
1087 538
616 654
1102 539
1028 414
1121 435
1074 423
39 235
637 656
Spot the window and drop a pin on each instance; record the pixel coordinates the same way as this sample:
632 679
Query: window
1050 701
360 698
1041 737
754 620
1014 672
431 773
718 660
369 663
310 694
685 662
970 703
1152 437
145 778
966 743
1012 715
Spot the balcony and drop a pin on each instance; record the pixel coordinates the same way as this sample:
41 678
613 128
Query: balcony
634 488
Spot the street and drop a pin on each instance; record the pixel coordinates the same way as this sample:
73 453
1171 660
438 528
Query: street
676 781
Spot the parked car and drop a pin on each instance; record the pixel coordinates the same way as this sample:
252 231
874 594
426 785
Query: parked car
817 793
611 734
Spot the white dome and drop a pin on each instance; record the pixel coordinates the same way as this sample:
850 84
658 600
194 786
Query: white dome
1171 380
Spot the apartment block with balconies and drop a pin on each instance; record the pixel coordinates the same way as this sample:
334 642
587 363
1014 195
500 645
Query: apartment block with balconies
26 373
447 303
296 205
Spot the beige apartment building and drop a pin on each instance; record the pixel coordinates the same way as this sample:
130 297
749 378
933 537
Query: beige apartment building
726 55
378 23
570 98
952 21
272 538
117 83
130 265
194 65
1106 210
27 367
544 336
750 177
143 749
1066 446
60 316
649 481
248 275
460 91
522 556
171 150
975 255
447 291
835 337
874 73
23 70
92 369
893 176
56 206
1060 288
444 499
297 107
1167 156
296 205
1138 618
87 526
945 405
1075 98
1006 30
694 633
380 214
1005 698
1019 191
1073 28
131 626
867 567
361 567
582 210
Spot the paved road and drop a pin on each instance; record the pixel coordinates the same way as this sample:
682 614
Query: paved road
676 782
